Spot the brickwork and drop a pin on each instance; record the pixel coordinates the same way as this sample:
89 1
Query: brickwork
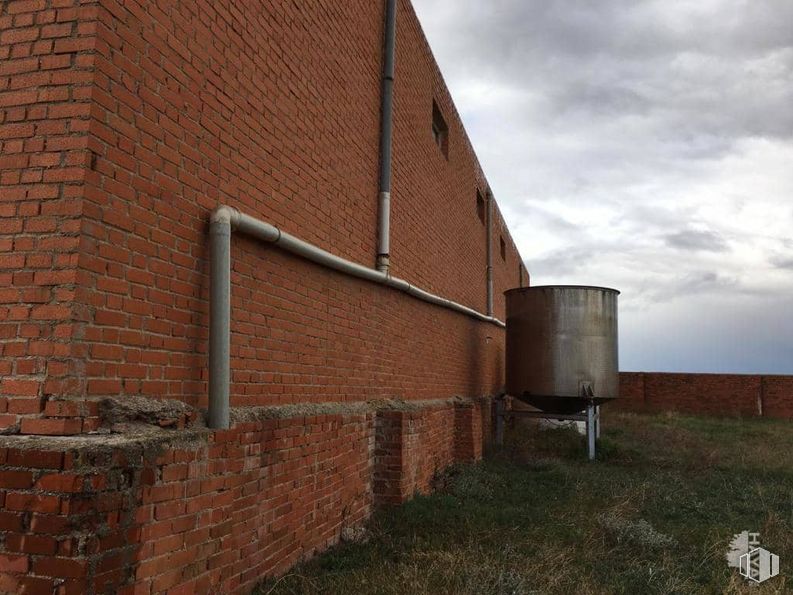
46 75
194 511
472 424
413 446
123 124
165 110
748 395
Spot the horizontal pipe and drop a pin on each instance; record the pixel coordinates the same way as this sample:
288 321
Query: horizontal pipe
271 234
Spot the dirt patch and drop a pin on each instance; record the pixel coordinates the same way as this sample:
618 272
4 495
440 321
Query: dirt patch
134 437
249 414
141 410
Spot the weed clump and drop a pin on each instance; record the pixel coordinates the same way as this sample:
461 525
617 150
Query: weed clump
636 531
472 482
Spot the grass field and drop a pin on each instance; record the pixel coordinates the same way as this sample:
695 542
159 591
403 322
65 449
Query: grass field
655 514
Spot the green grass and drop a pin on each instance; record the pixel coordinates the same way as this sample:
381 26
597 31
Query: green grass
654 514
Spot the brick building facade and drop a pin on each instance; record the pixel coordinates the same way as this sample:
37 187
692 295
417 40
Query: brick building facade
123 124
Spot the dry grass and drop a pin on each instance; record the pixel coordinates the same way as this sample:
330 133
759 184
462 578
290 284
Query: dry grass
655 514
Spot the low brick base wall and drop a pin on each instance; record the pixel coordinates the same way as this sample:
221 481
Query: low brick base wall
196 511
742 395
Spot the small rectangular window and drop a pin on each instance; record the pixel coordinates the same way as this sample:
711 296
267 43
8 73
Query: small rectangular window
480 206
440 131
503 248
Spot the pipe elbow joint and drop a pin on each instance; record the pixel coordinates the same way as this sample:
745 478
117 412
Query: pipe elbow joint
225 215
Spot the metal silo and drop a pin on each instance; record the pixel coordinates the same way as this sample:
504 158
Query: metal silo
562 346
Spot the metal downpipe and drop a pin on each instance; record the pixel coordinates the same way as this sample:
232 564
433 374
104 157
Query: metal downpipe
489 251
386 135
219 318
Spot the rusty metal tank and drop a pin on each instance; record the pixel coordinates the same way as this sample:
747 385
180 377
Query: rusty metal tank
562 351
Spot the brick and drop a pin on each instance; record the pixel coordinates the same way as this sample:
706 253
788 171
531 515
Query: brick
13 563
50 524
15 479
51 427
60 567
37 459
12 386
32 544
34 585
10 521
20 6
60 482
54 277
16 98
20 501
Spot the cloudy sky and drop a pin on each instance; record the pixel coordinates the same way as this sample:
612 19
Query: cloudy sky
645 145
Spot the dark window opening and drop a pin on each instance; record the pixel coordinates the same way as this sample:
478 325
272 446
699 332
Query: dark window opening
503 249
440 131
480 206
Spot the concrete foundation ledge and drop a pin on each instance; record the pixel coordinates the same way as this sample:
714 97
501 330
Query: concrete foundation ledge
146 509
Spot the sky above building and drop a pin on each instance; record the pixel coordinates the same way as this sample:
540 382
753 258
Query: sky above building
642 145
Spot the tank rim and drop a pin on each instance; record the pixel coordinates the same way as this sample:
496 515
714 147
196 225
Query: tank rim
593 287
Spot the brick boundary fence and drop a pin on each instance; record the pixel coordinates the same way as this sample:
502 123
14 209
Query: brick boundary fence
742 395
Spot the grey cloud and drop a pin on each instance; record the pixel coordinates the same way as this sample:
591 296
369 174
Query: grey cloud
691 239
640 144
562 262
782 262
548 219
671 63
703 281
695 283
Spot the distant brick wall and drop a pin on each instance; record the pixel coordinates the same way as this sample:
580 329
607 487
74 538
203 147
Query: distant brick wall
707 394
195 511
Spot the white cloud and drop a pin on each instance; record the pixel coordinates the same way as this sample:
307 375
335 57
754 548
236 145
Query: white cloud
645 145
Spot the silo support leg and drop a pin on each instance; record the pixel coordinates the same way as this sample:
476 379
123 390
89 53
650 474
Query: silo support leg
591 430
500 413
597 422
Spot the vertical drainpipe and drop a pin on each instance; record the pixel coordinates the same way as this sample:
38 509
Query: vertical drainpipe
219 317
386 133
489 251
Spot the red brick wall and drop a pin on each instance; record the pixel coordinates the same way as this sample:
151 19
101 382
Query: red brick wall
46 75
188 105
707 394
123 124
420 445
415 445
472 421
195 511
777 396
